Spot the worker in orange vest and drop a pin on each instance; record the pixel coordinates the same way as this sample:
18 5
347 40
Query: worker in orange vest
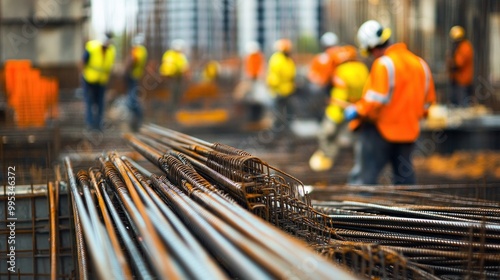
320 73
397 94
254 67
460 67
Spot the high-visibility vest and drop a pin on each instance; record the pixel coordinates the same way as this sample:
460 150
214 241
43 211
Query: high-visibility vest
254 64
98 67
174 64
322 67
349 79
463 62
281 74
399 90
100 63
210 71
139 57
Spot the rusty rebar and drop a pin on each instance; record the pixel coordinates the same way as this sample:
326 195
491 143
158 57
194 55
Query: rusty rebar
53 231
133 251
164 266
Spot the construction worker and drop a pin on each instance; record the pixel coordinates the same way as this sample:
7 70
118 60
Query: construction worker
210 71
281 82
97 63
460 67
253 69
348 79
320 73
397 94
174 66
135 64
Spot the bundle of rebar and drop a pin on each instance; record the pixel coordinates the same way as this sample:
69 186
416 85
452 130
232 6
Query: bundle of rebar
448 236
134 223
213 211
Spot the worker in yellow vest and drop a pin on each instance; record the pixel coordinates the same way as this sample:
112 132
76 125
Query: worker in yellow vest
348 80
281 82
174 66
98 60
136 62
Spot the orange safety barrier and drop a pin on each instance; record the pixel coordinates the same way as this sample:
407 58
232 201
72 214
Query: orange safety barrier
34 98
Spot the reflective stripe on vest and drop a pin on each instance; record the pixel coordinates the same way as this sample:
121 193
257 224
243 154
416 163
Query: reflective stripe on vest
427 82
384 98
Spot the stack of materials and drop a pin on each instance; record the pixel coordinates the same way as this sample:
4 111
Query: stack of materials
33 97
213 211
178 225
444 230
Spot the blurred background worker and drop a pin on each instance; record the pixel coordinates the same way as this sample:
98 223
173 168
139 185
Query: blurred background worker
253 92
348 79
460 67
97 63
174 66
210 71
281 82
320 73
396 96
135 64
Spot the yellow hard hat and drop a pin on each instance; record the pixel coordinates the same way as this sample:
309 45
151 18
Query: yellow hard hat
457 33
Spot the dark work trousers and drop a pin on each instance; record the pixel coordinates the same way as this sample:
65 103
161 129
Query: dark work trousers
283 115
372 152
461 96
133 103
94 105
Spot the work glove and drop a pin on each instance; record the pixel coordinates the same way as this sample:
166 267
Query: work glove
350 113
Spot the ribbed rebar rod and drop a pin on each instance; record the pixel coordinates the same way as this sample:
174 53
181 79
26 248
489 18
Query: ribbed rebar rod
229 255
284 246
418 221
53 231
134 254
191 242
379 235
81 250
86 226
99 233
401 211
110 229
162 263
195 268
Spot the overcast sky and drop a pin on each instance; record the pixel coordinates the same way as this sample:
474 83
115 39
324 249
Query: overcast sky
113 14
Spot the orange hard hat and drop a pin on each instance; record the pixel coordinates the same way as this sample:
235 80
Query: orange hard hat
343 54
283 45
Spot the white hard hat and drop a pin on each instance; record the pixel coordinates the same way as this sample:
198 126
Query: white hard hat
329 39
252 47
372 34
178 45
